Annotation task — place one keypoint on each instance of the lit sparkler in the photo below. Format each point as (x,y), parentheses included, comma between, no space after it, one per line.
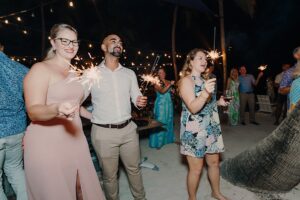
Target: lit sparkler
(214,54)
(150,79)
(262,67)
(87,76)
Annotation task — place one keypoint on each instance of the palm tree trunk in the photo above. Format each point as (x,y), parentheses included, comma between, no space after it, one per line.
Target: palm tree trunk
(223,47)
(173,41)
(273,164)
(43,29)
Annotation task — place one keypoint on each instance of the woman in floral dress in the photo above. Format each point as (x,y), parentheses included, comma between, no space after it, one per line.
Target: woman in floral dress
(200,131)
(234,106)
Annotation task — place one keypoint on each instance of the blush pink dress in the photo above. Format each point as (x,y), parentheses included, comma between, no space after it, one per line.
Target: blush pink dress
(55,151)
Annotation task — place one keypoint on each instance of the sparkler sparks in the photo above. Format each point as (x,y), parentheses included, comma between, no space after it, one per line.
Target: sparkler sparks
(150,79)
(214,54)
(262,67)
(87,76)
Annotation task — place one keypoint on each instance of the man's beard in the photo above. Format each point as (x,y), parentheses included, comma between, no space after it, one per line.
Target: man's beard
(115,52)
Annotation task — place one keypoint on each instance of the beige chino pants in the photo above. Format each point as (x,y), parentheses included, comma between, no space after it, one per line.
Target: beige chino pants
(111,144)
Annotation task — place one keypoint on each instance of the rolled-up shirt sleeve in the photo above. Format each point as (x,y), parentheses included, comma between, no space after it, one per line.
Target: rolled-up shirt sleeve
(134,90)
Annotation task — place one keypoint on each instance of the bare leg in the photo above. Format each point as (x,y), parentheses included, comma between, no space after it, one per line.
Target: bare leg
(193,177)
(78,189)
(212,161)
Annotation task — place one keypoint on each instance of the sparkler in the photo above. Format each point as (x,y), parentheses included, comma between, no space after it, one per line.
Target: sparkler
(87,76)
(262,67)
(149,78)
(213,55)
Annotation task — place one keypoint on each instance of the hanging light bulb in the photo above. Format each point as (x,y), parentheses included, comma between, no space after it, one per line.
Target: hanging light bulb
(90,46)
(139,52)
(19,19)
(25,32)
(51,10)
(6,21)
(32,15)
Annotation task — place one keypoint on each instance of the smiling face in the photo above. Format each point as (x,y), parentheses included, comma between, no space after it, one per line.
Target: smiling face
(243,70)
(199,63)
(65,44)
(113,45)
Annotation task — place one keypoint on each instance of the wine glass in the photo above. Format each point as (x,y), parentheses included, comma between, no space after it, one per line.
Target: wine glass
(228,95)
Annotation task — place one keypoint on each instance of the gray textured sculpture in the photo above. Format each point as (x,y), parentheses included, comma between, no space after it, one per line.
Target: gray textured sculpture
(273,164)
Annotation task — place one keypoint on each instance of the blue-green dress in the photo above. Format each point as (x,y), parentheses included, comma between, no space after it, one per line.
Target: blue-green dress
(200,133)
(164,113)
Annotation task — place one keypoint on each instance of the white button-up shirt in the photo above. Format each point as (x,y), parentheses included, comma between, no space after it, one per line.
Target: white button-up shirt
(112,98)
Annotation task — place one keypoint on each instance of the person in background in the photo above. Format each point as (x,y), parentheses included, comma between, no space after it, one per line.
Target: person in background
(295,88)
(200,131)
(58,163)
(114,134)
(287,77)
(163,112)
(234,106)
(246,88)
(270,89)
(13,123)
(281,101)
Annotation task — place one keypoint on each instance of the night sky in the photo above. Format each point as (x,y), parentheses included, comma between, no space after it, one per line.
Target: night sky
(267,37)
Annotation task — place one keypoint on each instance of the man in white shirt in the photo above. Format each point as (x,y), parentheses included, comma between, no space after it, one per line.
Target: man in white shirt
(113,134)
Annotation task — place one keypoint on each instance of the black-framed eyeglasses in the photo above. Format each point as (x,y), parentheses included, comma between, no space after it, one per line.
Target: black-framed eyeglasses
(66,42)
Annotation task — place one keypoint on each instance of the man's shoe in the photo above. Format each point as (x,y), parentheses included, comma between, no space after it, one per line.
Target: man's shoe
(254,122)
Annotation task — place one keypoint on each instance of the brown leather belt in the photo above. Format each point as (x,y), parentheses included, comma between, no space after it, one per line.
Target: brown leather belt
(118,126)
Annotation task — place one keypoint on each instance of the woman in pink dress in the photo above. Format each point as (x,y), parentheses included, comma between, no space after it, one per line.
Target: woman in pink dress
(58,165)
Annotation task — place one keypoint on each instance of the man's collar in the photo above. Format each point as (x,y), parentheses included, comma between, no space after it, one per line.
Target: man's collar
(102,65)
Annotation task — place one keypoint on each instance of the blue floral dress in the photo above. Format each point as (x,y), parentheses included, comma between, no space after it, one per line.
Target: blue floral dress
(200,133)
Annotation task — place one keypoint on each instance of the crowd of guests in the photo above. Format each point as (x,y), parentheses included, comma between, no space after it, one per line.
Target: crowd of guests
(57,160)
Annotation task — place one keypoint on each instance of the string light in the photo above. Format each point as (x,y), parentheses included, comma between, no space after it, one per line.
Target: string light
(90,46)
(19,19)
(51,10)
(139,52)
(32,15)
(6,21)
(49,38)
(25,32)
(124,50)
(152,54)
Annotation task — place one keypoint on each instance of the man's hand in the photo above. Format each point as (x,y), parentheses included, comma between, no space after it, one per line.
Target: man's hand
(141,101)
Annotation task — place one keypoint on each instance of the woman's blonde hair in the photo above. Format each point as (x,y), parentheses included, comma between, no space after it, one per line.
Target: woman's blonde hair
(56,28)
(187,68)
(231,74)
